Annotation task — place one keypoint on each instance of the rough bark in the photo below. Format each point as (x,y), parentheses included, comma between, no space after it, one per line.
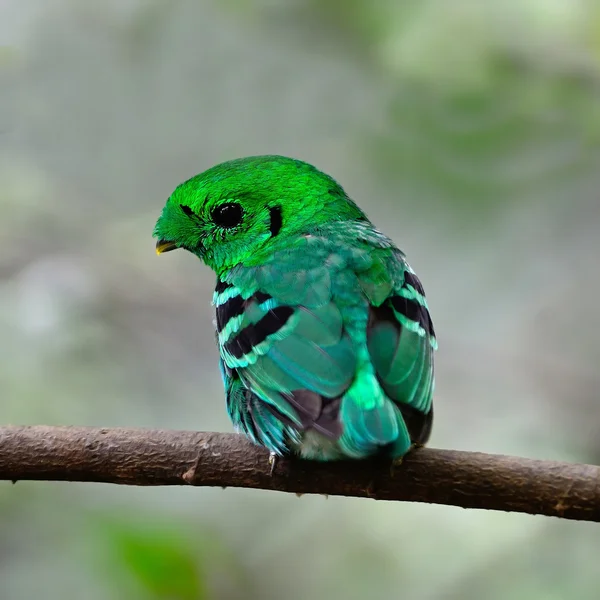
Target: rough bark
(155,457)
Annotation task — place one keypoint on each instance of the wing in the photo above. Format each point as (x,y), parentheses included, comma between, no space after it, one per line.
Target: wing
(293,363)
(401,341)
(250,414)
(281,334)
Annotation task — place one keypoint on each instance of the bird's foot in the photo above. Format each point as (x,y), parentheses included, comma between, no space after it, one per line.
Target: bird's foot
(396,462)
(272,463)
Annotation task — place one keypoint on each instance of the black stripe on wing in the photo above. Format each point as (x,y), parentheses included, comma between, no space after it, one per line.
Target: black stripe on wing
(254,334)
(235,306)
(413,280)
(222,286)
(412,309)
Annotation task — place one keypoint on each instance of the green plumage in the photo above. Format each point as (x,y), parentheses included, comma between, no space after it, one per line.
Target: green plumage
(323,329)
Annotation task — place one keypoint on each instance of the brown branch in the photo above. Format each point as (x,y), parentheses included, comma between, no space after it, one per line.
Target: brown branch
(149,457)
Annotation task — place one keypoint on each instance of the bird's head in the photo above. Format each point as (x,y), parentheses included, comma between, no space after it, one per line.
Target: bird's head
(237,211)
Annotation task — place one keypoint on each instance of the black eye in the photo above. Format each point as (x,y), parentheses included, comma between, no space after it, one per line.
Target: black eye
(186,210)
(227,215)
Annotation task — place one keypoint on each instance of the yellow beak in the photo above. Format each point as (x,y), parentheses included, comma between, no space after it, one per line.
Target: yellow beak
(165,246)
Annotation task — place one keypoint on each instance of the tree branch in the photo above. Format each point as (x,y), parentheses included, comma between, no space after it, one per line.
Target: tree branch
(151,457)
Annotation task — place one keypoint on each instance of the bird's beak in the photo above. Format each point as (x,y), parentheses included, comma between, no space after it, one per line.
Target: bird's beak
(165,246)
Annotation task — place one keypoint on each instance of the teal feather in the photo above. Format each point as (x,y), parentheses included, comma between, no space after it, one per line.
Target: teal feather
(333,336)
(251,416)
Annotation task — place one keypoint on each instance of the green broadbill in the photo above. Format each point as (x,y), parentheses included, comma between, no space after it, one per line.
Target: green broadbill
(325,338)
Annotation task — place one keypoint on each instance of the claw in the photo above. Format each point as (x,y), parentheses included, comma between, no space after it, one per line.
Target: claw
(396,462)
(272,463)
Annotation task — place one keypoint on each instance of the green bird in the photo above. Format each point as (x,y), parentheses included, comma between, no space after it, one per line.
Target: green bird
(325,339)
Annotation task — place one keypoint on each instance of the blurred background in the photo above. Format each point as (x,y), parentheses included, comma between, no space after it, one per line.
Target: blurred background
(468,130)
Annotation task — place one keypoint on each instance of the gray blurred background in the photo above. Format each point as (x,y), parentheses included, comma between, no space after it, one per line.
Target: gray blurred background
(469,131)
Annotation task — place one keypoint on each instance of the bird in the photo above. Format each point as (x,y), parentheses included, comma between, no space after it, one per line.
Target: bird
(325,338)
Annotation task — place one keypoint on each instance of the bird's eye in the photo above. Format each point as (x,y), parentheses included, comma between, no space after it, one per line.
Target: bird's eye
(227,215)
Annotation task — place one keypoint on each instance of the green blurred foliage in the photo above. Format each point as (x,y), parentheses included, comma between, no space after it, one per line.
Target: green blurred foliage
(144,557)
(162,563)
(468,130)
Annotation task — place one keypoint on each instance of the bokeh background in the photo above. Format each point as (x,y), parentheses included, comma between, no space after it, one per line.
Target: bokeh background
(468,130)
